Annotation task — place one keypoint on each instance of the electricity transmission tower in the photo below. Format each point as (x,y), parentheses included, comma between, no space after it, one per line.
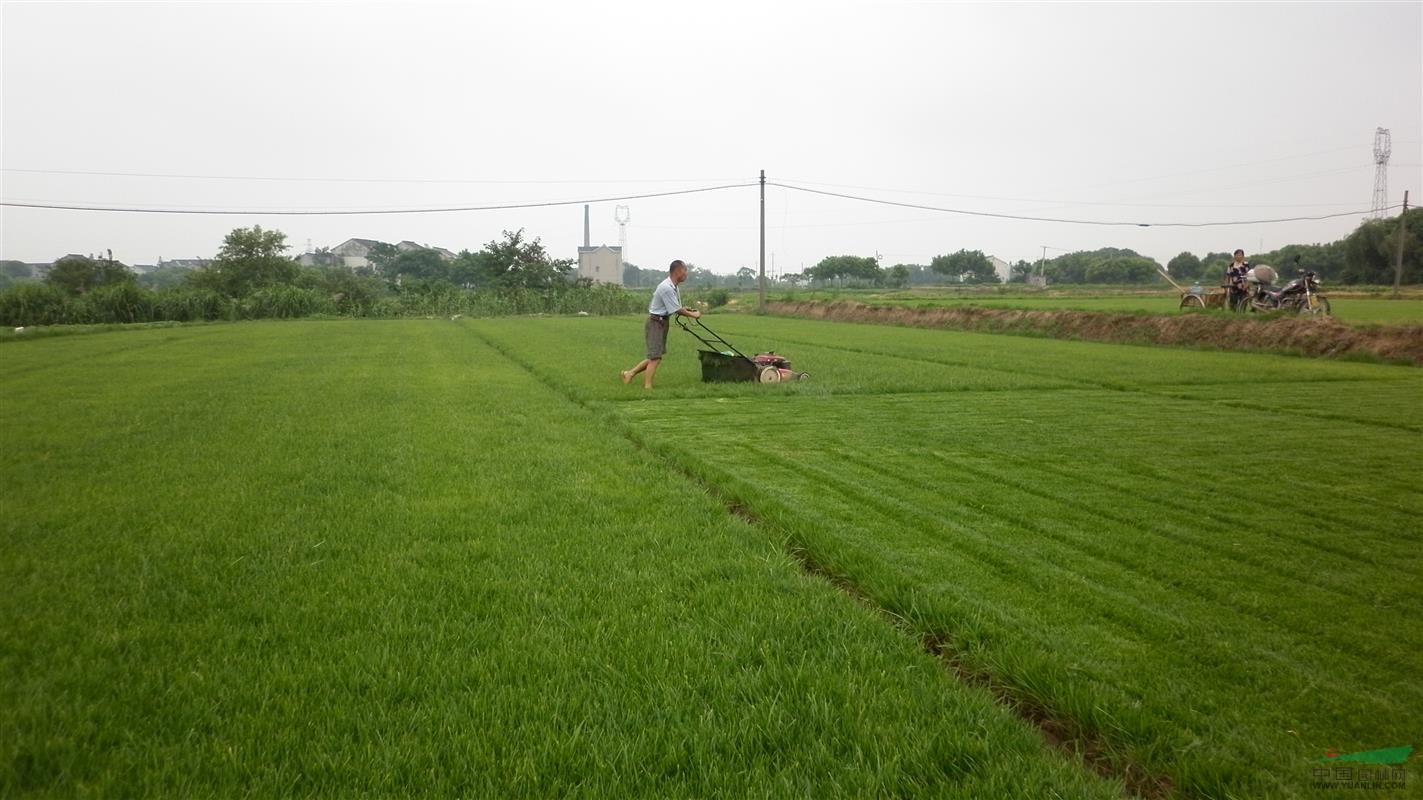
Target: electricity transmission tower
(1383,148)
(623,215)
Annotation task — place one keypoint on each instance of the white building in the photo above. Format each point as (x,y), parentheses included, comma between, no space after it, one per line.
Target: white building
(1001,268)
(354,253)
(601,264)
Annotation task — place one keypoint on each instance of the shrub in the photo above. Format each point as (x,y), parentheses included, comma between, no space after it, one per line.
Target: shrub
(34,303)
(283,302)
(117,303)
(191,305)
(709,298)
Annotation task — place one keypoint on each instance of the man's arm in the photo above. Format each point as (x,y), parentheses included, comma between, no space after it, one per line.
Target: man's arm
(689,312)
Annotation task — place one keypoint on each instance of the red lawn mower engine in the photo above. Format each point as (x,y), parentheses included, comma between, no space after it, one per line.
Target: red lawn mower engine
(773,368)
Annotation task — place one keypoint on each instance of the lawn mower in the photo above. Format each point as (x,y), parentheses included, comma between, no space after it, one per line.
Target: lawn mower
(721,361)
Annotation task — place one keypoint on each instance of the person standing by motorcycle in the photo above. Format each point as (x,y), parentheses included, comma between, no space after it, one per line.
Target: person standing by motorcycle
(1235,280)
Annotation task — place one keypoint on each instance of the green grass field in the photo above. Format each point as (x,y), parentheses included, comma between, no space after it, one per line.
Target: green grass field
(357,558)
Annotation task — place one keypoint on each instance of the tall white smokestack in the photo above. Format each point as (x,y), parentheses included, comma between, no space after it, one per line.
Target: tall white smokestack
(586,242)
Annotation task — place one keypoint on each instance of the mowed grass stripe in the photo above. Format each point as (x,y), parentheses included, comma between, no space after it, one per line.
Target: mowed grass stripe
(1383,382)
(584,355)
(1218,516)
(1385,403)
(351,558)
(1108,365)
(1245,665)
(1239,596)
(1223,538)
(61,351)
(1171,711)
(1117,586)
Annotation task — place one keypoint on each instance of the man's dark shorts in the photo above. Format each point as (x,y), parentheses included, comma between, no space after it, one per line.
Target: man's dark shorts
(656,332)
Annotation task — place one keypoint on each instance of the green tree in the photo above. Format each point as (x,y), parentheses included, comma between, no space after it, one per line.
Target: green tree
(515,261)
(348,292)
(1123,269)
(381,254)
(1075,267)
(164,277)
(745,274)
(250,259)
(971,265)
(1369,252)
(1185,266)
(426,265)
(467,270)
(698,278)
(861,269)
(633,275)
(897,276)
(1213,266)
(18,270)
(81,274)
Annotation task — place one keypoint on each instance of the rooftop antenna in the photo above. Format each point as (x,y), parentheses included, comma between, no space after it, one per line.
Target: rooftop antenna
(623,215)
(1383,148)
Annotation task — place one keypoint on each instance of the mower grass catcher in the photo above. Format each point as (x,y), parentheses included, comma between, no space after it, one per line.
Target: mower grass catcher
(721,361)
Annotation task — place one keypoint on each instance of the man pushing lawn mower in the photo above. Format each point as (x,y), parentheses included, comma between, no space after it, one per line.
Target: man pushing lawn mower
(666,303)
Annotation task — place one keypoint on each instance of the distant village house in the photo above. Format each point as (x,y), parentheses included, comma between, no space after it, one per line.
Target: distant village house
(356,253)
(601,264)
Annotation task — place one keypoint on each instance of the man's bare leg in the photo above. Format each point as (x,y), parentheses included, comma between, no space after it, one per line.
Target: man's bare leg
(629,374)
(651,371)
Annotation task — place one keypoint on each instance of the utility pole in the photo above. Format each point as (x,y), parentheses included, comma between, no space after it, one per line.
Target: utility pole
(761,301)
(1398,254)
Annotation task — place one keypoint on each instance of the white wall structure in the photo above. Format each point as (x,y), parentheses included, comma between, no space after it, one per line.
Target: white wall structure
(601,264)
(353,252)
(1001,268)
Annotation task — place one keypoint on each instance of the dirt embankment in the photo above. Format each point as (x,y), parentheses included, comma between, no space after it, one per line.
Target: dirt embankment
(1323,337)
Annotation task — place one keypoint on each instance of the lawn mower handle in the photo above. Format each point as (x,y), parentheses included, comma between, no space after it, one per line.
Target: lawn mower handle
(713,340)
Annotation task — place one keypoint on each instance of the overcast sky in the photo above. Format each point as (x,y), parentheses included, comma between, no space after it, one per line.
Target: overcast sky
(1116,112)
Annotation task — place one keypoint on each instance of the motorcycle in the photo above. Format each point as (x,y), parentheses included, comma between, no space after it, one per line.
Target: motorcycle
(1299,296)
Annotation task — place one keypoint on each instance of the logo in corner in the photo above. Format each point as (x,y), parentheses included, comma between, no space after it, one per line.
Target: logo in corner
(1378,769)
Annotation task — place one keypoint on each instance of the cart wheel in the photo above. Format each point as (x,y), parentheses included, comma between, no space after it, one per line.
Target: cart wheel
(770,375)
(804,376)
(1192,301)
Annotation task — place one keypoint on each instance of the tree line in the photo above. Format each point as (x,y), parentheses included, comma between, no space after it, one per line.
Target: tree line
(252,277)
(1365,256)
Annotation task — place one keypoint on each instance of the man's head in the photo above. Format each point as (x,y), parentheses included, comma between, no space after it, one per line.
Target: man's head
(1239,256)
(677,271)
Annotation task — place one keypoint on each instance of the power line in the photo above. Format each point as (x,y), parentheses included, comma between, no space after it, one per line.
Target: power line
(1025,218)
(314,179)
(649,195)
(357,212)
(1117,204)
